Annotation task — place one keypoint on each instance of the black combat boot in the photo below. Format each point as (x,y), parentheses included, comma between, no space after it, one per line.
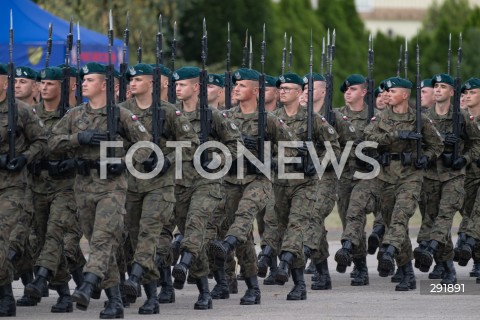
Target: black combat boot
(36,288)
(476,268)
(425,257)
(176,246)
(232,285)
(7,301)
(64,302)
(204,301)
(299,291)
(375,238)
(114,308)
(408,282)
(132,283)
(362,275)
(343,256)
(252,295)
(180,270)
(77,276)
(220,290)
(311,268)
(264,261)
(220,250)
(462,237)
(398,276)
(82,295)
(422,245)
(27,301)
(151,305)
(270,279)
(386,264)
(126,304)
(283,271)
(438,270)
(465,252)
(450,275)
(322,281)
(167,293)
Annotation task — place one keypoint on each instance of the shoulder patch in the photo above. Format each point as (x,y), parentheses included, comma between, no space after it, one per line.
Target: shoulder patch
(178,113)
(233,126)
(281,121)
(323,119)
(345,118)
(224,115)
(134,117)
(34,110)
(351,128)
(141,128)
(330,130)
(40,123)
(472,118)
(373,119)
(186,127)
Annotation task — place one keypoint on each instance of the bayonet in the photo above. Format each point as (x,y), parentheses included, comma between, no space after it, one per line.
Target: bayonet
(449,58)
(139,50)
(79,57)
(228,73)
(290,55)
(112,109)
(250,55)
(65,88)
(245,50)
(122,93)
(322,61)
(284,52)
(171,84)
(370,97)
(205,112)
(405,63)
(49,45)
(399,63)
(158,113)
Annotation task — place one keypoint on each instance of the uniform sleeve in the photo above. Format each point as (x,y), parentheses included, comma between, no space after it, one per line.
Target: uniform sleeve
(345,129)
(279,131)
(373,133)
(183,131)
(471,150)
(36,135)
(61,138)
(135,132)
(325,132)
(432,141)
(228,133)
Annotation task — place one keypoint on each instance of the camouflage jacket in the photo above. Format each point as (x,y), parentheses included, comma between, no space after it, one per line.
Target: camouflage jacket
(64,138)
(176,127)
(473,169)
(30,140)
(380,129)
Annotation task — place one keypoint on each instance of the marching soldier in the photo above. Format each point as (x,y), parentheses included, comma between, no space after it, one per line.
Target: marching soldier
(26,85)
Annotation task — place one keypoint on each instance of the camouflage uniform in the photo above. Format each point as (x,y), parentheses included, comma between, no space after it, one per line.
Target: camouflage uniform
(101,202)
(150,202)
(30,141)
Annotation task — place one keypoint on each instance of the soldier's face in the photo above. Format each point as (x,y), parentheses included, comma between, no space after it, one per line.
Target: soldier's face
(442,92)
(141,85)
(427,97)
(3,84)
(396,96)
(93,85)
(379,102)
(50,89)
(472,98)
(186,89)
(289,92)
(213,93)
(271,94)
(245,90)
(354,94)
(24,88)
(319,90)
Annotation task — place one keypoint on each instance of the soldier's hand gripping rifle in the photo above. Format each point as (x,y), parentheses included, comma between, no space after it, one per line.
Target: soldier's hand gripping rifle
(12,106)
(49,45)
(457,123)
(329,114)
(79,56)
(122,93)
(65,90)
(370,97)
(418,102)
(205,112)
(158,120)
(113,112)
(172,96)
(262,114)
(228,73)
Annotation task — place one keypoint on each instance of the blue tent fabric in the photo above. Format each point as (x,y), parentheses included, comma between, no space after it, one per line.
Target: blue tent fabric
(30,23)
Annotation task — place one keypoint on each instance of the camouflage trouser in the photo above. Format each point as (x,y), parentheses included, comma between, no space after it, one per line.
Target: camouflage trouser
(11,207)
(164,248)
(315,233)
(58,212)
(243,202)
(271,236)
(146,214)
(294,206)
(71,246)
(101,217)
(193,211)
(472,210)
(344,190)
(443,200)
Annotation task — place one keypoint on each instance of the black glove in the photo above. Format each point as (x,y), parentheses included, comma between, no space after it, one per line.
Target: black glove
(116,168)
(408,135)
(91,137)
(422,162)
(459,163)
(150,163)
(17,163)
(67,165)
(249,142)
(450,139)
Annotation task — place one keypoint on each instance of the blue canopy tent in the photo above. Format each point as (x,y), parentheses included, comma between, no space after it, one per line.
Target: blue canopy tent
(30,24)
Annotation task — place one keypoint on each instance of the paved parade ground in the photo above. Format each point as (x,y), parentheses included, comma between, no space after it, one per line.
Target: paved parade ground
(376,301)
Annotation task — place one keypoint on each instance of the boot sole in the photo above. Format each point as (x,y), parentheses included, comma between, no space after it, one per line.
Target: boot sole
(343,261)
(180,277)
(425,261)
(281,278)
(82,301)
(67,310)
(302,297)
(411,287)
(373,243)
(156,310)
(385,266)
(360,283)
(463,257)
(248,303)
(202,307)
(117,316)
(218,251)
(262,270)
(130,290)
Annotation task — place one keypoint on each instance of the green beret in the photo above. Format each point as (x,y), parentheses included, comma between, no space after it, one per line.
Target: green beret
(245,74)
(93,68)
(270,81)
(396,82)
(164,71)
(426,83)
(186,73)
(3,69)
(352,80)
(116,74)
(442,78)
(377,91)
(25,72)
(140,69)
(315,76)
(216,79)
(51,73)
(289,78)
(73,71)
(472,83)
